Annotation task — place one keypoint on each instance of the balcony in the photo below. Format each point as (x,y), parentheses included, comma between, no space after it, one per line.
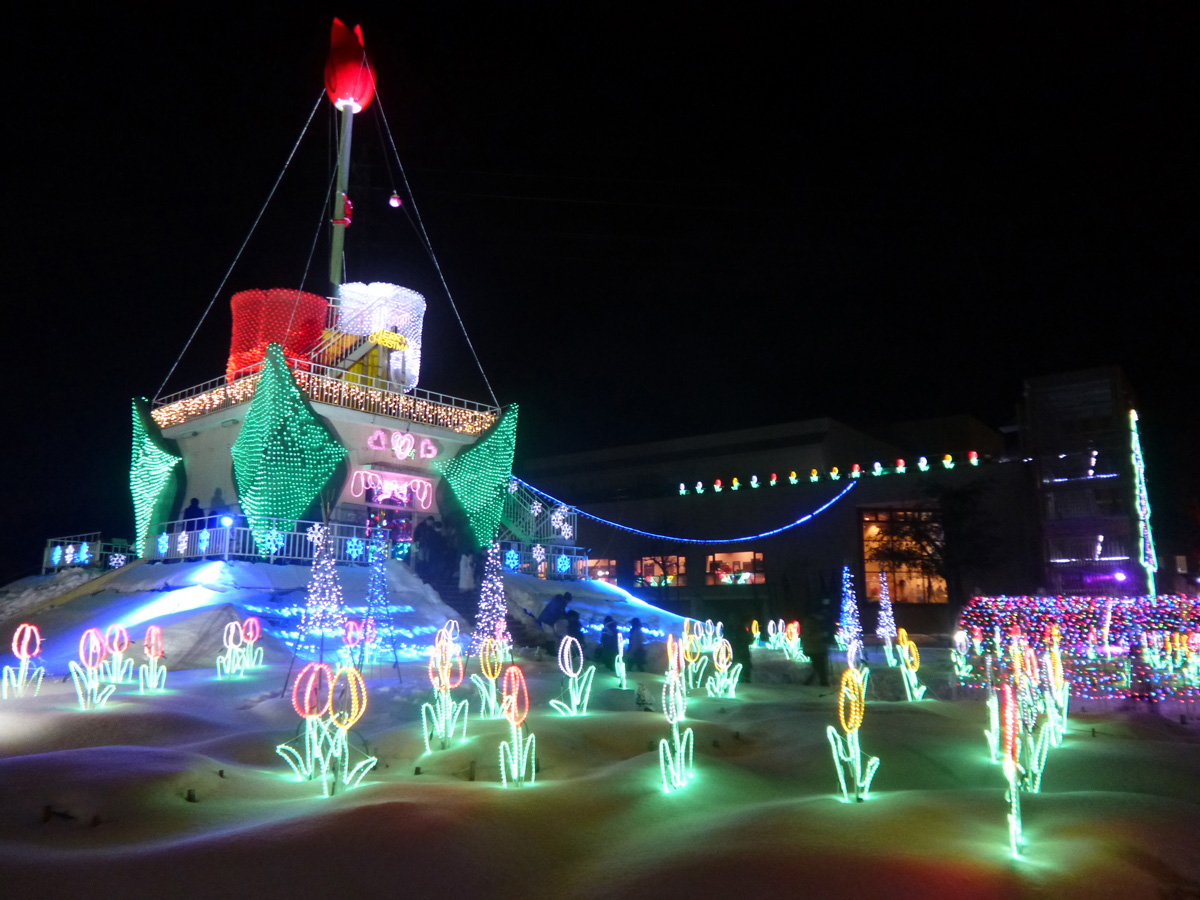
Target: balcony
(336,387)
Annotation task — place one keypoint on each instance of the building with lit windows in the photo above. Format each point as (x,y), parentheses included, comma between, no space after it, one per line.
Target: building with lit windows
(760,522)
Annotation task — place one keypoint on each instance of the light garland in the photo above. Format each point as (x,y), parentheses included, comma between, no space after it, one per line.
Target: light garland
(86,672)
(26,645)
(152,674)
(284,454)
(441,717)
(847,754)
(578,682)
(518,756)
(684,540)
(675,758)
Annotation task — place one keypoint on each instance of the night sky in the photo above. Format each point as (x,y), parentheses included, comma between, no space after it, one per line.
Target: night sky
(656,219)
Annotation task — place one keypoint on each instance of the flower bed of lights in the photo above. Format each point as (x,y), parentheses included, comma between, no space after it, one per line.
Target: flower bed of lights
(26,645)
(723,681)
(1106,644)
(86,673)
(578,682)
(152,674)
(853,776)
(490,652)
(517,757)
(241,652)
(675,756)
(323,750)
(440,718)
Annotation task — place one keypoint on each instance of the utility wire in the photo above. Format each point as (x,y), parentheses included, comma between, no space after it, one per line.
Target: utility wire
(429,247)
(238,256)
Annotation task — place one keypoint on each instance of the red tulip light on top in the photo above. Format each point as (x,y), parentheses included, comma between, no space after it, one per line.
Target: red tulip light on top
(349,79)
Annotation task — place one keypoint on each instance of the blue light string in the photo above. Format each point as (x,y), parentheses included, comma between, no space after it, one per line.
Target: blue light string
(682,540)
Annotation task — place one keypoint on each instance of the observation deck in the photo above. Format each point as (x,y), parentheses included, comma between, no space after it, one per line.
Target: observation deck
(333,386)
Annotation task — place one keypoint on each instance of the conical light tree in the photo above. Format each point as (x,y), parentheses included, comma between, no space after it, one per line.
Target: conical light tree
(377,603)
(886,626)
(324,620)
(491,621)
(849,627)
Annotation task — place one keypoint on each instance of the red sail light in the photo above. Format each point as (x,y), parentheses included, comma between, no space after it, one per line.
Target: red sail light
(349,79)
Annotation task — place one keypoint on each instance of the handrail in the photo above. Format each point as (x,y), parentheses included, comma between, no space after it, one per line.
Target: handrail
(337,387)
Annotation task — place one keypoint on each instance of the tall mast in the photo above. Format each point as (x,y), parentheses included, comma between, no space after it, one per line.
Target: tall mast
(350,84)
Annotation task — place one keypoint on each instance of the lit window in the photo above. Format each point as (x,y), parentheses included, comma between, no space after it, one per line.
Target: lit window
(904,546)
(741,567)
(603,570)
(660,571)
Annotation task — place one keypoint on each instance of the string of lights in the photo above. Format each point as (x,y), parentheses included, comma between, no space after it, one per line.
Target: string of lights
(685,540)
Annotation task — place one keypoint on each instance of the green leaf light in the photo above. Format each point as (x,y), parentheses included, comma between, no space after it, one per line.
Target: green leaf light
(479,476)
(151,471)
(284,454)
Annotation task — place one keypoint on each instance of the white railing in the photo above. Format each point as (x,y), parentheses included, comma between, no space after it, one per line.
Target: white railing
(529,518)
(208,538)
(337,387)
(558,563)
(78,551)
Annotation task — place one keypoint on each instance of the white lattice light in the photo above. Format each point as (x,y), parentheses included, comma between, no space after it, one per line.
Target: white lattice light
(367,308)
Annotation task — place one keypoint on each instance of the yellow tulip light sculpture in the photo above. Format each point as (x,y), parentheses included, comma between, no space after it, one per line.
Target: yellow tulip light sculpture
(853,776)
(490,652)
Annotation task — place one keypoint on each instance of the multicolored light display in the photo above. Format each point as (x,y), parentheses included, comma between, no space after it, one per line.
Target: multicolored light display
(1101,641)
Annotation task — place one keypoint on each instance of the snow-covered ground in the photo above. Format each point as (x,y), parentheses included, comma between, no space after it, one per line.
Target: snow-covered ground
(94,803)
